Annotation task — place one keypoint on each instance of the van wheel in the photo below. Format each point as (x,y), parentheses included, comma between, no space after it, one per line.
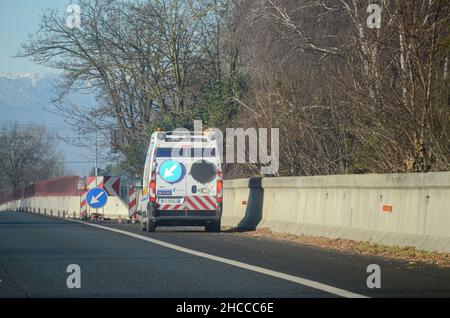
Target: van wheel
(151,226)
(213,227)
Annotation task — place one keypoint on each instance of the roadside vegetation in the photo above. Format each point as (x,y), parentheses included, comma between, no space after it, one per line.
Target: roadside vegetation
(27,154)
(346,98)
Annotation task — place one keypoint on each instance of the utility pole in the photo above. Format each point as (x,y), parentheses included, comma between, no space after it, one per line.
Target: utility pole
(96,152)
(96,156)
(96,148)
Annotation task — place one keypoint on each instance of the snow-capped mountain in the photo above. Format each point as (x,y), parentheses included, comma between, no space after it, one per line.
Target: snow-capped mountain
(23,96)
(27,97)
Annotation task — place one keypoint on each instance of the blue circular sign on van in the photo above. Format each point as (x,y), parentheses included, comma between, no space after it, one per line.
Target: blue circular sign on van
(96,198)
(171,171)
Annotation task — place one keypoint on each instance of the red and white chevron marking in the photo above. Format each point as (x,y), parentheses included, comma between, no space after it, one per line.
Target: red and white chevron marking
(110,184)
(132,205)
(171,207)
(201,203)
(83,204)
(197,203)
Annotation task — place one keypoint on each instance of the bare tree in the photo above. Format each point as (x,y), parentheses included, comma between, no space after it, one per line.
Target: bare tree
(348,98)
(27,154)
(143,60)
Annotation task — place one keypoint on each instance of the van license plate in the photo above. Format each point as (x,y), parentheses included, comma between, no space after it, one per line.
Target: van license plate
(171,200)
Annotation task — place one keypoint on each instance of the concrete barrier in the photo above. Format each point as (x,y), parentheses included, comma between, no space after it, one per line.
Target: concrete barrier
(395,209)
(243,203)
(65,206)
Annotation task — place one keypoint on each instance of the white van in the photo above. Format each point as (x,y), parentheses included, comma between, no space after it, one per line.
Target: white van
(182,183)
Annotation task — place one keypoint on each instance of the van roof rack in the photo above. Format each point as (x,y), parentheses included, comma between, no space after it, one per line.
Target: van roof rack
(184,135)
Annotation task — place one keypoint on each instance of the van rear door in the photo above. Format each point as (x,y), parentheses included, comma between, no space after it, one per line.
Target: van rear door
(202,180)
(186,178)
(171,181)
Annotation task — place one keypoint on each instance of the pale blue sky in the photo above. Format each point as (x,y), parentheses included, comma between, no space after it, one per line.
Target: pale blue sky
(18,18)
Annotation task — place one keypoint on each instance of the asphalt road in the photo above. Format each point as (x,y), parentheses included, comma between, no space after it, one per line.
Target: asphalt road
(35,251)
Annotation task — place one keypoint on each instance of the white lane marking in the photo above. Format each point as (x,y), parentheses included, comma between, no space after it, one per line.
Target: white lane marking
(295,279)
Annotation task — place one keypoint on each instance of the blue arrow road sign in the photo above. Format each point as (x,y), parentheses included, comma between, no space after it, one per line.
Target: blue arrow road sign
(96,198)
(171,171)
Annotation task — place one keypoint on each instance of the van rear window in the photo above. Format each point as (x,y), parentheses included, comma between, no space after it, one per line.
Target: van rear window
(185,152)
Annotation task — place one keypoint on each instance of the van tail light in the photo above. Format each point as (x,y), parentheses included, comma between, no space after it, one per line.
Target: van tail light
(152,191)
(219,190)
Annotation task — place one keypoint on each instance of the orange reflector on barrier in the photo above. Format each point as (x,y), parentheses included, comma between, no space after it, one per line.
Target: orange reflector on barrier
(387,208)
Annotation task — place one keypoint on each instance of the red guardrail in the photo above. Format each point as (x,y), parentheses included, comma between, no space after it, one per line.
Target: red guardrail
(65,186)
